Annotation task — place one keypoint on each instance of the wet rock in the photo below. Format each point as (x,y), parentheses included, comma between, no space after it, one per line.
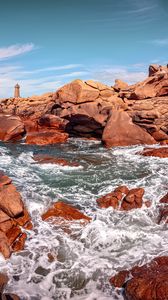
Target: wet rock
(164,199)
(148,282)
(122,198)
(10,297)
(157,152)
(65,211)
(11,128)
(121,131)
(45,159)
(13,216)
(3,281)
(163,209)
(46,137)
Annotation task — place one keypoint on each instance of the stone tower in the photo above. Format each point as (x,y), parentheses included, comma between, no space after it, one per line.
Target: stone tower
(17,91)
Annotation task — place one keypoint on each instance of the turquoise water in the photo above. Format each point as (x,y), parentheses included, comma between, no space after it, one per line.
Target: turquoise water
(89,256)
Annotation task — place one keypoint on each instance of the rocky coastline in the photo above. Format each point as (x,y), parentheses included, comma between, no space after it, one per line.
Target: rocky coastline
(118,116)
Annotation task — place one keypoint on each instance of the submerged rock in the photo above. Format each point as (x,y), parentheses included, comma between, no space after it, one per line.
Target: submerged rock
(46,137)
(122,198)
(148,282)
(158,152)
(46,159)
(65,211)
(13,216)
(121,131)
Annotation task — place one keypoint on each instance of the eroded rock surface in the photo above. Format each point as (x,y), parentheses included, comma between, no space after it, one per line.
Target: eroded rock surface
(148,282)
(157,152)
(13,216)
(122,198)
(65,211)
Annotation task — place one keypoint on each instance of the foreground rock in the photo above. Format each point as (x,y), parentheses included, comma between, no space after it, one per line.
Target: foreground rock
(66,212)
(149,282)
(13,216)
(163,209)
(3,283)
(121,131)
(157,152)
(11,128)
(46,159)
(48,129)
(122,198)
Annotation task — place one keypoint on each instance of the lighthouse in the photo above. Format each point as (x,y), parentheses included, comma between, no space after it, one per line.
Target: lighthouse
(17,91)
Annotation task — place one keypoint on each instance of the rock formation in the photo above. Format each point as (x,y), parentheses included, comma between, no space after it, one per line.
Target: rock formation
(122,198)
(120,115)
(148,282)
(13,216)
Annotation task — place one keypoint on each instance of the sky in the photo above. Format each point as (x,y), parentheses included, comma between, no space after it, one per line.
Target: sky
(46,43)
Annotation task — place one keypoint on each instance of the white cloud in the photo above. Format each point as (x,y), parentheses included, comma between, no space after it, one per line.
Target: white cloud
(108,75)
(15,50)
(160,42)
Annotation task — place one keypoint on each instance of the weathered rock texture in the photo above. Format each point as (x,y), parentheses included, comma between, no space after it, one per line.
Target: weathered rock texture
(157,152)
(89,109)
(122,198)
(149,282)
(64,211)
(13,216)
(47,159)
(11,128)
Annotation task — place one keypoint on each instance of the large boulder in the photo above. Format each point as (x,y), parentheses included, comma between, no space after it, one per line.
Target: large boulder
(121,131)
(86,105)
(11,128)
(13,216)
(48,129)
(148,282)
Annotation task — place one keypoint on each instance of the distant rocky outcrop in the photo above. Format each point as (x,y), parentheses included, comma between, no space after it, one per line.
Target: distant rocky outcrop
(121,115)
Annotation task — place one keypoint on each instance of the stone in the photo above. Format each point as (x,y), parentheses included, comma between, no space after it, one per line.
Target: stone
(120,85)
(11,128)
(76,92)
(13,216)
(46,137)
(161,152)
(10,200)
(52,121)
(148,282)
(65,211)
(122,199)
(47,159)
(120,131)
(3,281)
(159,135)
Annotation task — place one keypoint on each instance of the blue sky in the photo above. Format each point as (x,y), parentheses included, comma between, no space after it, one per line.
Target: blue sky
(45,44)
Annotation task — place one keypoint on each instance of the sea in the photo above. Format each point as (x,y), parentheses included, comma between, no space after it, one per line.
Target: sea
(84,258)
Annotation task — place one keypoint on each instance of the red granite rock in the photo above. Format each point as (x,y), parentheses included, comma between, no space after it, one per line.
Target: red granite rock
(149,282)
(65,211)
(161,152)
